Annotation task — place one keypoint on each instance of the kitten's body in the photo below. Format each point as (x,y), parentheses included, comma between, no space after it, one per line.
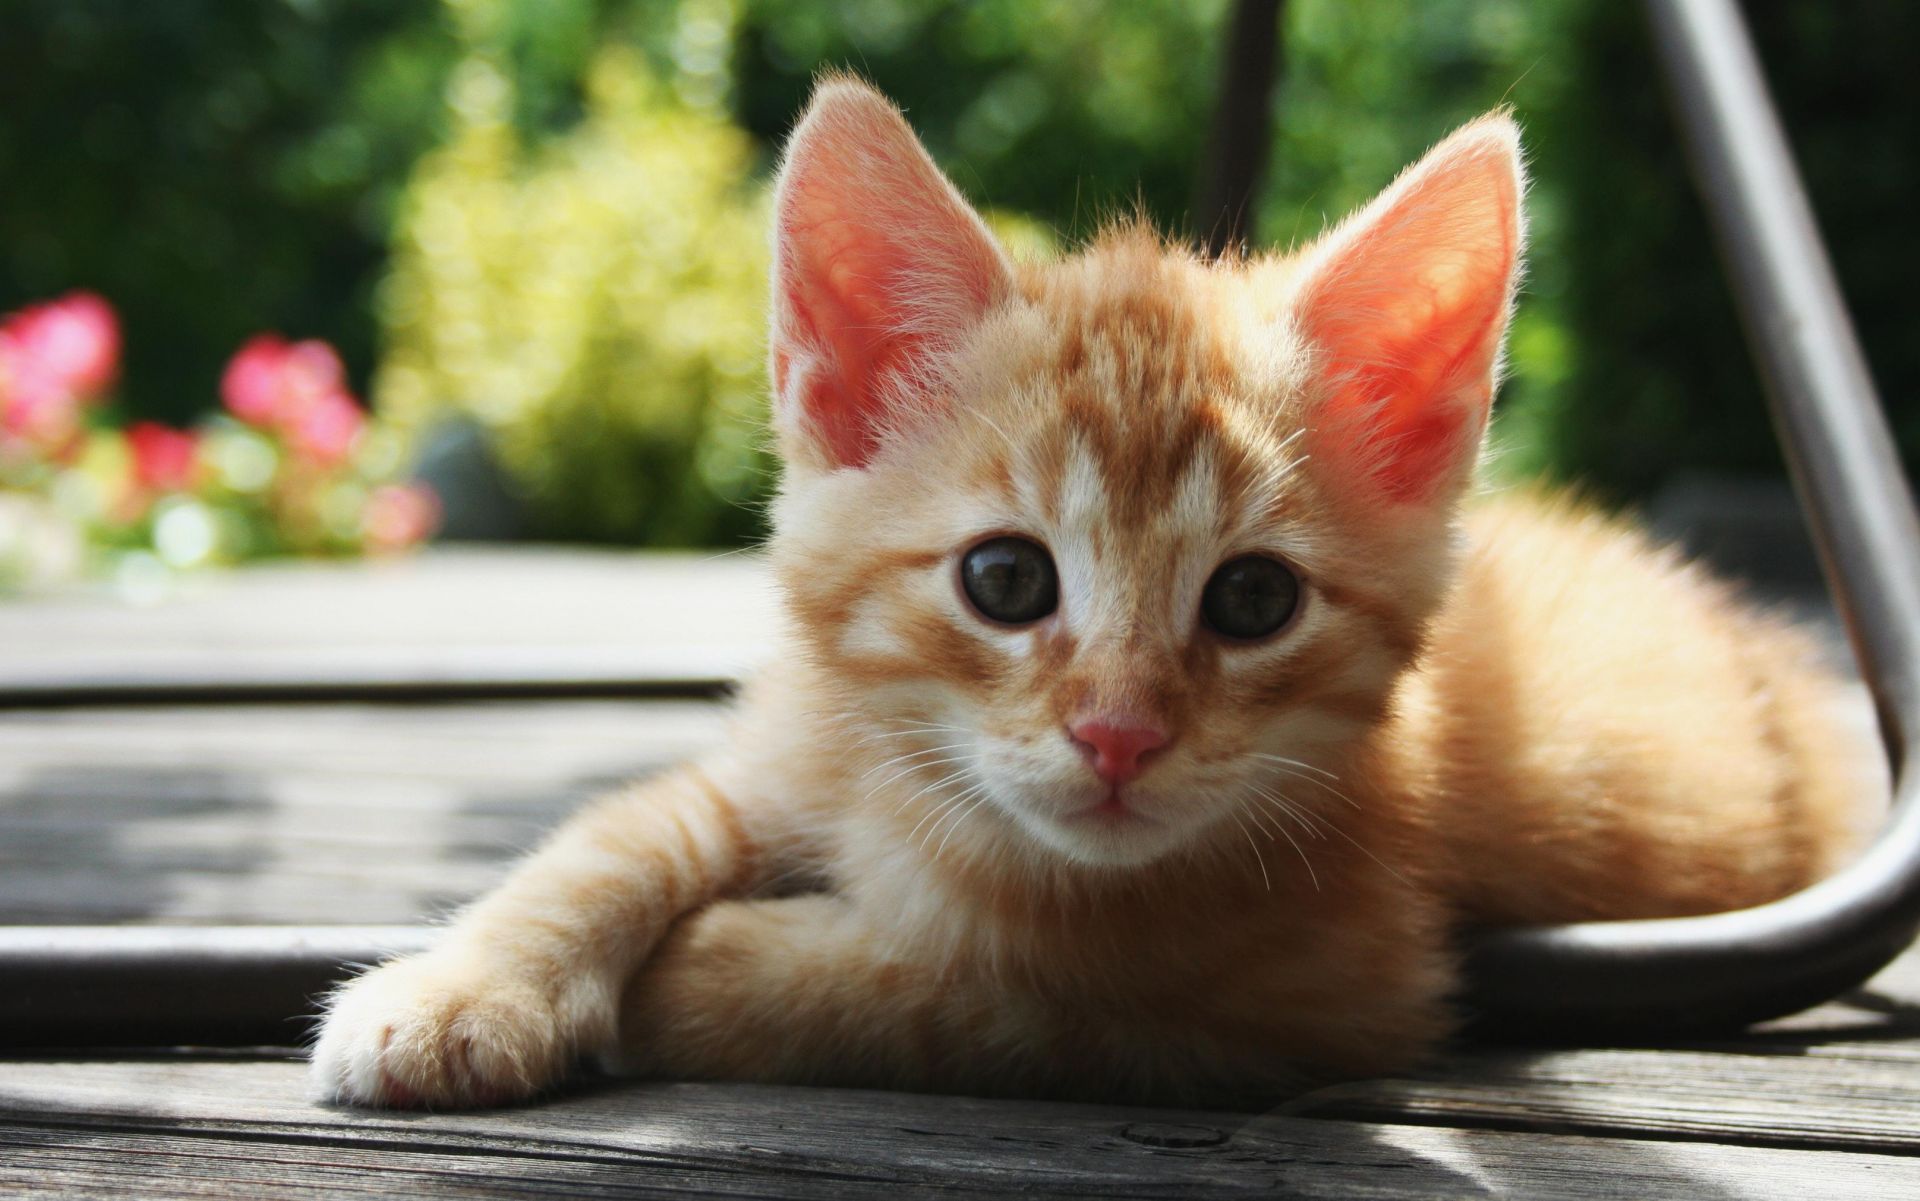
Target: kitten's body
(1526,715)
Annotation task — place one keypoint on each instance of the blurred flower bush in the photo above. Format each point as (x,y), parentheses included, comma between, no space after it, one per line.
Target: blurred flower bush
(292,467)
(594,301)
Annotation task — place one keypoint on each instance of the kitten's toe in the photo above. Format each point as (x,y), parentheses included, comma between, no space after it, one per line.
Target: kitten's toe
(424,1034)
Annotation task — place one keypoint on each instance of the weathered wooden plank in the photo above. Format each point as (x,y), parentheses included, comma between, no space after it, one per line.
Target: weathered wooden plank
(1845,1075)
(322,814)
(464,621)
(199,1128)
(1812,1099)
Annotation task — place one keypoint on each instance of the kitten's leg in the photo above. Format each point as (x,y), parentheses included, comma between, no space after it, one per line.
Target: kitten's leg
(812,990)
(528,978)
(798,990)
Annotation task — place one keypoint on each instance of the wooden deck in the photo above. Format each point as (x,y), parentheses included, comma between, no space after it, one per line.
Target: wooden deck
(371,744)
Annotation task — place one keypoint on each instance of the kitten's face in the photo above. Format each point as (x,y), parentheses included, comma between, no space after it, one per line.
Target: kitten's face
(1093,551)
(1110,600)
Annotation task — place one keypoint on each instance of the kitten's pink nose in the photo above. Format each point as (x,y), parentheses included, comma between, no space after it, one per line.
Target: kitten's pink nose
(1117,748)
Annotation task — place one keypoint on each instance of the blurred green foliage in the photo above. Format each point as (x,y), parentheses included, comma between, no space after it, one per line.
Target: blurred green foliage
(595,302)
(1658,375)
(218,168)
(1367,88)
(1070,112)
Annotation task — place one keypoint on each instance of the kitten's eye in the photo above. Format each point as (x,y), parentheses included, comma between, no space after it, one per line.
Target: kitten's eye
(1250,597)
(1010,580)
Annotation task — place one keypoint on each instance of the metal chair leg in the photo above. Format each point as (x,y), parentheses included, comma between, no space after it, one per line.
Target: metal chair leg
(1666,977)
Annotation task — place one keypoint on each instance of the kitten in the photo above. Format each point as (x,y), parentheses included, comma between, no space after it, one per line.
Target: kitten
(1152,711)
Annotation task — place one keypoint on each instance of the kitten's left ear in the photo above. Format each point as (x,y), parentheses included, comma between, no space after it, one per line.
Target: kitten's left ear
(879,267)
(1405,308)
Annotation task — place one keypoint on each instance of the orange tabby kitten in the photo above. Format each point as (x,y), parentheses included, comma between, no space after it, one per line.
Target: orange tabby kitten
(1151,712)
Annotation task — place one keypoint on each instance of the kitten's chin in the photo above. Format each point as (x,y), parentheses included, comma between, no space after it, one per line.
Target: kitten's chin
(1098,839)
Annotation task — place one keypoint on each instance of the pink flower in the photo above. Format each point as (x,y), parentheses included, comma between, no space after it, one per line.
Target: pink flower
(72,343)
(269,382)
(326,428)
(55,358)
(399,515)
(164,459)
(299,391)
(250,385)
(44,419)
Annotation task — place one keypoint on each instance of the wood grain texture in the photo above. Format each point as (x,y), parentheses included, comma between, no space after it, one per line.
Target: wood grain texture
(1844,1075)
(302,814)
(1814,1099)
(208,1127)
(500,619)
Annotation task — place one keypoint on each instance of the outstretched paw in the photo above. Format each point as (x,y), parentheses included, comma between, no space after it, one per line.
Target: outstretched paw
(434,1032)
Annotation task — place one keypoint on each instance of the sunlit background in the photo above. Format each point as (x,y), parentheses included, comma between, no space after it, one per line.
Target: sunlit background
(534,232)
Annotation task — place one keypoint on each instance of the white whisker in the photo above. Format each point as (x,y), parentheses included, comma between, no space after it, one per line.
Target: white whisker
(1302,852)
(879,735)
(945,806)
(1260,821)
(889,762)
(1299,763)
(1307,820)
(1384,866)
(958,822)
(942,782)
(1322,821)
(909,770)
(942,807)
(1264,877)
(1299,770)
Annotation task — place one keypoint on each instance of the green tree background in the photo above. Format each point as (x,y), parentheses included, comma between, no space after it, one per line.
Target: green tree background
(216,169)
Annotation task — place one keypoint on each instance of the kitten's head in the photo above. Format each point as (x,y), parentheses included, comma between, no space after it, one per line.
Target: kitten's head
(1114,555)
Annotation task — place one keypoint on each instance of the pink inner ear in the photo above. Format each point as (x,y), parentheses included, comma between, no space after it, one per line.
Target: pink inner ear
(849,293)
(1409,311)
(880,266)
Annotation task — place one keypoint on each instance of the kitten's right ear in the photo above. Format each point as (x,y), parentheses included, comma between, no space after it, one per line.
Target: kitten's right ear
(879,267)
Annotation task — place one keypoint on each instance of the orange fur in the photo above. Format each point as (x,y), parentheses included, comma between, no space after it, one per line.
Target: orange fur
(1513,712)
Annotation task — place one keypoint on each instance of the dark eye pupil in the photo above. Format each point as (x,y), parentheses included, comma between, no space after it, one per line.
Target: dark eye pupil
(1010,580)
(1250,597)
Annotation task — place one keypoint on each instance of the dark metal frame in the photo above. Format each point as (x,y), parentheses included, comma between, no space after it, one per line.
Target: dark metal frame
(1237,149)
(1666,977)
(238,985)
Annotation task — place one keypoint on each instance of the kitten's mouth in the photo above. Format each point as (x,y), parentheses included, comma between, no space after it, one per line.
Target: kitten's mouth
(1112,810)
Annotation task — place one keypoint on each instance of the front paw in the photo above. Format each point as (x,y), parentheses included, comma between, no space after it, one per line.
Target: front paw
(439,1032)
